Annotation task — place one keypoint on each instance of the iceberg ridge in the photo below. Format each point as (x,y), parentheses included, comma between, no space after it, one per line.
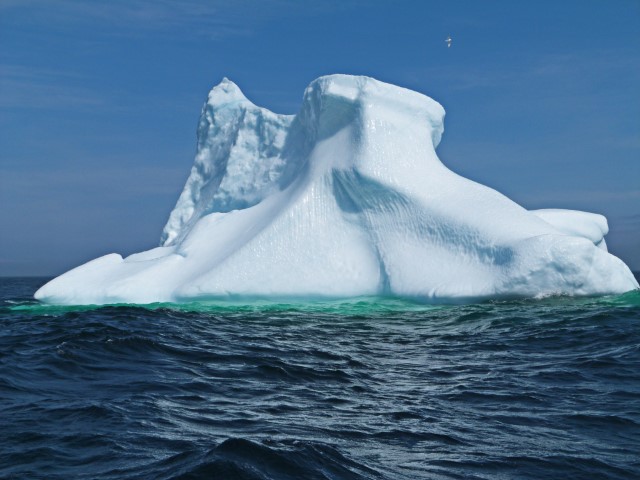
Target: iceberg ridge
(346,198)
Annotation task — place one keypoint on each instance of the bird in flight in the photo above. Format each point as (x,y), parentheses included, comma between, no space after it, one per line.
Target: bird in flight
(448,41)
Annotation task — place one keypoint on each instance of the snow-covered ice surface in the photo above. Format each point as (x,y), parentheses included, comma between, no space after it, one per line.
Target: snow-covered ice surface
(346,198)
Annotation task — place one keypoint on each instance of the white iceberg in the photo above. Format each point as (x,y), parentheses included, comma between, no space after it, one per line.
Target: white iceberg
(346,198)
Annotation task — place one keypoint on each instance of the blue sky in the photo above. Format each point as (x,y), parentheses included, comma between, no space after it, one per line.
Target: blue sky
(99,103)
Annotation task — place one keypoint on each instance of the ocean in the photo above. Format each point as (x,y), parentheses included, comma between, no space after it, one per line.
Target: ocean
(370,388)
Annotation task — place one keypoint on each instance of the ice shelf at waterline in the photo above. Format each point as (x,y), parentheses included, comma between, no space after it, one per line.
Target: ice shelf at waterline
(346,198)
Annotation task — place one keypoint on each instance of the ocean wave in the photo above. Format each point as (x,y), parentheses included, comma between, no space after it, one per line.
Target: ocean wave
(528,389)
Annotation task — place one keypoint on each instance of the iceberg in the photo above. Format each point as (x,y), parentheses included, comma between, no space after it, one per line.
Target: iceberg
(346,198)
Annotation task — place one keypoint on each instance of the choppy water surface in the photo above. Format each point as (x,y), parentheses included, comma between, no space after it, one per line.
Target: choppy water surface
(370,388)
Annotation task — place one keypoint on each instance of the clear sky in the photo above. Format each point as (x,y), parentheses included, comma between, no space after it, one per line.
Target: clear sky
(99,102)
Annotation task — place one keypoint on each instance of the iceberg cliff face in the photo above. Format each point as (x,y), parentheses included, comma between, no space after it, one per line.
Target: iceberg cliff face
(239,157)
(346,198)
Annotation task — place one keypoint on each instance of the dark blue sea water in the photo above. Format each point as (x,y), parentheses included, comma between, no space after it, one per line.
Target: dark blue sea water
(365,389)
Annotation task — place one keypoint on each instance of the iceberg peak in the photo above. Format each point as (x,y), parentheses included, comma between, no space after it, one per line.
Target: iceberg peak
(238,159)
(226,92)
(346,198)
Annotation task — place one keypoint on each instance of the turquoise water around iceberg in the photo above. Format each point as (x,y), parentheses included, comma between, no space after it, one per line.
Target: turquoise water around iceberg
(365,388)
